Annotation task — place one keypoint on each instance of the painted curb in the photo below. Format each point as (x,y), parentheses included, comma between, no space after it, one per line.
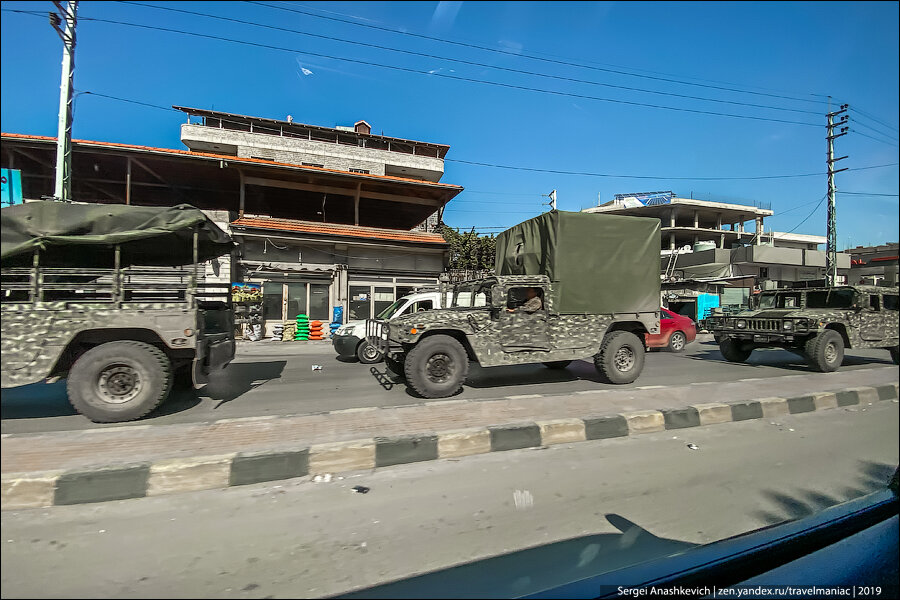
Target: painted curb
(170,476)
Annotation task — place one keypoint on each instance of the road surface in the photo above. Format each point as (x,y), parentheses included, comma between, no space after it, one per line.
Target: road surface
(273,378)
(639,497)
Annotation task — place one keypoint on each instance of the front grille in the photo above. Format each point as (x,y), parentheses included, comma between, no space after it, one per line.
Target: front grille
(377,334)
(764,324)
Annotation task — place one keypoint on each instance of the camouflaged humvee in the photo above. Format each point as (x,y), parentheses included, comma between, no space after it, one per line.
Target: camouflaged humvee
(99,294)
(817,323)
(598,279)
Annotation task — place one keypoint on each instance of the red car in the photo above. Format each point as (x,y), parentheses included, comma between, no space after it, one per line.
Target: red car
(675,332)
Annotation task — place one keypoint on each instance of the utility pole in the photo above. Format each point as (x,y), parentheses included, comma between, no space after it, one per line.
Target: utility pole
(831,248)
(552,203)
(68,10)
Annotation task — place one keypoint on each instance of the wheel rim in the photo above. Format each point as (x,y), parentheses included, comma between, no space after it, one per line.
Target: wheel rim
(677,341)
(440,368)
(624,359)
(370,352)
(830,352)
(118,384)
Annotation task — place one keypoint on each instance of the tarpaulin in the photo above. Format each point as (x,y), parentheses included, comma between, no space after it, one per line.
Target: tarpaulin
(84,235)
(597,263)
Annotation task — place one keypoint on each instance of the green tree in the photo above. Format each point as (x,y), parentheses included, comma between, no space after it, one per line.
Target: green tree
(469,251)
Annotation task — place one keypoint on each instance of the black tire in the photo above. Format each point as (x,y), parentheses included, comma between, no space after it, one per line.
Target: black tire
(558,364)
(621,358)
(119,381)
(677,341)
(183,377)
(367,353)
(825,351)
(436,367)
(732,351)
(895,354)
(395,367)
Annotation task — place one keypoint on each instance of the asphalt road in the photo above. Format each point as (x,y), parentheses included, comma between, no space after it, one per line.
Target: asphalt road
(637,497)
(272,378)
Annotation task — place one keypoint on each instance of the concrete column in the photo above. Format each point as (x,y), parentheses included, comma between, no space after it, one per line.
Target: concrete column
(672,217)
(741,224)
(721,240)
(672,241)
(719,221)
(696,219)
(759,230)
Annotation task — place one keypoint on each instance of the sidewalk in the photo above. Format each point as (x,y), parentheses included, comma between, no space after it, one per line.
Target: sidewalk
(145,442)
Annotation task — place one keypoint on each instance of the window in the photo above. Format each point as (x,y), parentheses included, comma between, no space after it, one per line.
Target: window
(365,171)
(360,302)
(874,302)
(664,315)
(422,306)
(272,301)
(520,295)
(764,272)
(312,165)
(890,301)
(830,299)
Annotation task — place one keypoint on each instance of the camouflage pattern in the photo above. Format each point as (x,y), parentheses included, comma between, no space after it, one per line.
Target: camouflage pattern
(498,337)
(765,327)
(36,335)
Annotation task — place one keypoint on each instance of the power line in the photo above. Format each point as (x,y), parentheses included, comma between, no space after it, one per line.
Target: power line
(870,194)
(553,171)
(469,62)
(531,56)
(857,132)
(876,119)
(447,76)
(889,136)
(806,218)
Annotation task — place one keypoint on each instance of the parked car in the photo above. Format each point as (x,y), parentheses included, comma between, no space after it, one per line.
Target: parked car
(350,339)
(675,332)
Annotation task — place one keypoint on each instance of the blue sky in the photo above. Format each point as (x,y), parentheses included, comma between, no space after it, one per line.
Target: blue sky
(785,56)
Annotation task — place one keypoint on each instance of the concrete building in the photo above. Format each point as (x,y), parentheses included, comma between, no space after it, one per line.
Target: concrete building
(874,265)
(704,241)
(315,236)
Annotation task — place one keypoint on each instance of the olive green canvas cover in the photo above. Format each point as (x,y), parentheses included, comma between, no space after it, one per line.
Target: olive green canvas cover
(597,263)
(84,235)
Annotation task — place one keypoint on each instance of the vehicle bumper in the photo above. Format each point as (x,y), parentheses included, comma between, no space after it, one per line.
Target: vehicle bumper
(345,345)
(760,337)
(217,354)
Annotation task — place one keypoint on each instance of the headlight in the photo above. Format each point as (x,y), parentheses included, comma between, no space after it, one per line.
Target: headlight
(741,324)
(787,325)
(800,324)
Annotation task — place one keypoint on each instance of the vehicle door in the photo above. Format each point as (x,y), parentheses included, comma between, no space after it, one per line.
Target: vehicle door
(873,320)
(520,330)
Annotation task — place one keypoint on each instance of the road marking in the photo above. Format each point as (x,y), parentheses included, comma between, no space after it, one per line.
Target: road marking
(523,396)
(649,387)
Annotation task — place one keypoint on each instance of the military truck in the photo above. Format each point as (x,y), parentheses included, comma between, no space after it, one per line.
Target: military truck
(598,280)
(111,297)
(816,322)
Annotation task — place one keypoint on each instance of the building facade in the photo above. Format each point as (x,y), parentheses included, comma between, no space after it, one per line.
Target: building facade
(323,217)
(874,265)
(716,242)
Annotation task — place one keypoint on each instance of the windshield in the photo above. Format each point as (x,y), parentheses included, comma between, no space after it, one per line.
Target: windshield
(390,310)
(767,301)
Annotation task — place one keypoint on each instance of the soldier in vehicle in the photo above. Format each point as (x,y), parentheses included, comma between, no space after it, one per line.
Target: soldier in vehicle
(532,302)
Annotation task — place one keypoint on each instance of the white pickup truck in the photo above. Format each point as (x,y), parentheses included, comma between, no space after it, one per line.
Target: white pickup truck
(350,339)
